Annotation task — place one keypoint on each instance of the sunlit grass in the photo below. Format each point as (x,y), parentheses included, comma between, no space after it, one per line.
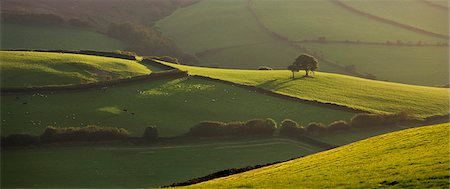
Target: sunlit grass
(358,93)
(19,69)
(413,158)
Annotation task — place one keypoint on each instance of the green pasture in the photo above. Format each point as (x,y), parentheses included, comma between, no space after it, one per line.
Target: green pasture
(403,64)
(299,20)
(20,69)
(358,93)
(406,12)
(15,36)
(413,158)
(172,105)
(137,167)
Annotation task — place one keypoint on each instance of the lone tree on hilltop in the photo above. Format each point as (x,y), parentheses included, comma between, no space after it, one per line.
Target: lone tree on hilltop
(293,69)
(306,62)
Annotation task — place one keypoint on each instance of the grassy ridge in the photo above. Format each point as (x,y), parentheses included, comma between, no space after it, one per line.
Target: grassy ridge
(51,37)
(173,105)
(20,69)
(431,18)
(413,158)
(358,93)
(137,167)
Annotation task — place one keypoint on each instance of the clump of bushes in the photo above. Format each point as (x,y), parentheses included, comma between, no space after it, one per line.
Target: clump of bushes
(366,120)
(89,133)
(150,134)
(339,126)
(265,68)
(254,127)
(290,128)
(316,129)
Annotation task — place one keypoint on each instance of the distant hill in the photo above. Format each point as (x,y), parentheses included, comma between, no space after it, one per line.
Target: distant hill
(413,158)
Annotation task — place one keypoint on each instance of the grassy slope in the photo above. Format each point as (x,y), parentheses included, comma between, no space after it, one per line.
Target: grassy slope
(370,95)
(414,158)
(324,18)
(430,18)
(47,37)
(413,65)
(172,105)
(37,68)
(136,167)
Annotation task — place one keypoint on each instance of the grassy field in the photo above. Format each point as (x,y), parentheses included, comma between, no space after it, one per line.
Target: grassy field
(136,167)
(430,18)
(412,64)
(47,37)
(364,94)
(19,69)
(414,158)
(314,19)
(234,39)
(173,105)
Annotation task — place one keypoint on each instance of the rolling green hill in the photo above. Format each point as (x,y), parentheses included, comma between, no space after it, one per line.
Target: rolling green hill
(314,19)
(226,34)
(358,93)
(19,69)
(413,158)
(15,36)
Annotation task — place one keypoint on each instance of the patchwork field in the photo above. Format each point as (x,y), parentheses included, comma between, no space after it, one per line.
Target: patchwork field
(431,18)
(358,93)
(19,69)
(315,19)
(416,158)
(16,36)
(137,167)
(237,38)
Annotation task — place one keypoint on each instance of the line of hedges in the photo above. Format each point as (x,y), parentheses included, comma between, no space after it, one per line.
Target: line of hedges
(96,85)
(254,127)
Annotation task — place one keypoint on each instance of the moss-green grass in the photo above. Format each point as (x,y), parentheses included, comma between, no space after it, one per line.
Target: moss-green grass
(15,36)
(19,69)
(412,65)
(300,20)
(413,158)
(430,18)
(358,93)
(137,167)
(172,105)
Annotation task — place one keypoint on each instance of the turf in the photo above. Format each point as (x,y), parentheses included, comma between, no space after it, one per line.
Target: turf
(299,20)
(430,18)
(358,93)
(412,64)
(172,105)
(15,36)
(19,69)
(136,167)
(413,158)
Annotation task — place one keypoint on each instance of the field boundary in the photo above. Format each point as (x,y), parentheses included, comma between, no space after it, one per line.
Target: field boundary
(388,21)
(435,5)
(103,85)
